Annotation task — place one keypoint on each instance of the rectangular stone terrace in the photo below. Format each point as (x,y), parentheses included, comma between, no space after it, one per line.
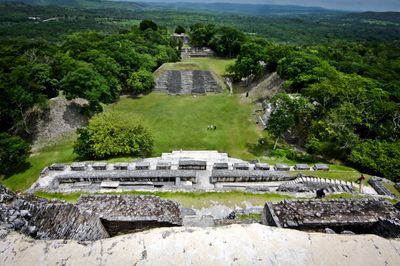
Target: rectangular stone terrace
(178,170)
(197,82)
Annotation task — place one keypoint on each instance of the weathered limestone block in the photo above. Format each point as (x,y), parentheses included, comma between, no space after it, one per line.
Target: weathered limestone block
(357,215)
(125,214)
(43,219)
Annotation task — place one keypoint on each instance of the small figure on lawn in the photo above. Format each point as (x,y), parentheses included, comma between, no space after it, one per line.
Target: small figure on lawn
(320,193)
(360,180)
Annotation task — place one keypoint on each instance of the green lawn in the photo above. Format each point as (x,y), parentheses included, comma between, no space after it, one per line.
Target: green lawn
(61,151)
(180,122)
(191,199)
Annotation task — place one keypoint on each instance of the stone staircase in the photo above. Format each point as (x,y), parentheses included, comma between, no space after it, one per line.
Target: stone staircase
(329,185)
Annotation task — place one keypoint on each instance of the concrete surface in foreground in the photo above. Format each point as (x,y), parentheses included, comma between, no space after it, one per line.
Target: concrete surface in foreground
(231,245)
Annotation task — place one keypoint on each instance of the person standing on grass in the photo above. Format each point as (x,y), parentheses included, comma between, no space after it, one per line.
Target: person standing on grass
(360,180)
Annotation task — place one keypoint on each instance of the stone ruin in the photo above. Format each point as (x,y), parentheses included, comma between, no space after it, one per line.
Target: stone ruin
(183,82)
(362,216)
(188,52)
(122,214)
(312,184)
(221,176)
(93,217)
(44,219)
(378,184)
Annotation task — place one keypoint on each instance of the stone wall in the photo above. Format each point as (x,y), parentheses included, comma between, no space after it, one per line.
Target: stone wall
(359,215)
(126,214)
(43,219)
(249,176)
(377,184)
(177,82)
(93,217)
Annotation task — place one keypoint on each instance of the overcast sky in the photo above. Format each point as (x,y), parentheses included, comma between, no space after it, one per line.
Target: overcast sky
(359,5)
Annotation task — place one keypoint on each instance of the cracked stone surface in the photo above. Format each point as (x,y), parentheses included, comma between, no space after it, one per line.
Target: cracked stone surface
(253,244)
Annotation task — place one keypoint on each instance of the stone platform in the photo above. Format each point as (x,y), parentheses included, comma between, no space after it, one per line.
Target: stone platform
(93,217)
(357,215)
(176,82)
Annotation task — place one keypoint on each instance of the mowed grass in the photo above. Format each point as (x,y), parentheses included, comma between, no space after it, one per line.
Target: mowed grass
(190,199)
(61,152)
(180,122)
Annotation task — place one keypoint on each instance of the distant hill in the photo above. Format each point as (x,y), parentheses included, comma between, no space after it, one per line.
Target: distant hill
(70,3)
(393,17)
(79,3)
(244,9)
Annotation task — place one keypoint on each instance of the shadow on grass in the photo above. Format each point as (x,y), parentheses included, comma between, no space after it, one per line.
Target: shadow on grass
(22,168)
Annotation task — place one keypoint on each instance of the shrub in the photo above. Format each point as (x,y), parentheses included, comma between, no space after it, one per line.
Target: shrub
(13,153)
(113,134)
(141,81)
(378,157)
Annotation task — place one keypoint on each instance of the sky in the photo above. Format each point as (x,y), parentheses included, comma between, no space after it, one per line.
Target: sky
(354,5)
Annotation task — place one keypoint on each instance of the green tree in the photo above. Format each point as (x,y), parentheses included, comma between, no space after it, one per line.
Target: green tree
(289,112)
(86,83)
(113,134)
(179,29)
(227,41)
(201,34)
(148,24)
(249,62)
(378,157)
(141,81)
(13,153)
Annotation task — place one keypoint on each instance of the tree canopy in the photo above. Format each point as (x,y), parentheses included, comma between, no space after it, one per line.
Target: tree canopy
(112,134)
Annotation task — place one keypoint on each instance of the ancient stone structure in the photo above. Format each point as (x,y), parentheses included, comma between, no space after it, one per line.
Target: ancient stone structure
(192,165)
(99,166)
(356,215)
(241,166)
(281,167)
(78,166)
(262,166)
(57,167)
(321,167)
(125,178)
(302,167)
(121,166)
(182,171)
(177,82)
(43,219)
(122,214)
(221,166)
(93,217)
(188,52)
(163,166)
(142,166)
(248,176)
(377,184)
(305,183)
